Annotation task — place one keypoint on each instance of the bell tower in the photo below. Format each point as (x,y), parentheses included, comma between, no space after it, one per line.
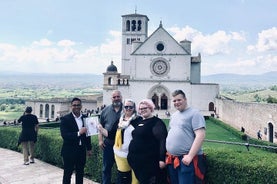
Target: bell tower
(134,29)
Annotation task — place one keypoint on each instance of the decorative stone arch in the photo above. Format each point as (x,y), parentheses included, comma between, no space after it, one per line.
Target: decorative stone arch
(160,95)
(110,81)
(128,25)
(40,110)
(46,110)
(164,102)
(134,25)
(211,106)
(155,100)
(139,25)
(52,111)
(270,132)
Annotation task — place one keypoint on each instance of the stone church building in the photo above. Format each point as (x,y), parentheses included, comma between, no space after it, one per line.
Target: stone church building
(156,65)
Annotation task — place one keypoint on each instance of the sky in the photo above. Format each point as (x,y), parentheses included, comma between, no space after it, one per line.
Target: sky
(84,36)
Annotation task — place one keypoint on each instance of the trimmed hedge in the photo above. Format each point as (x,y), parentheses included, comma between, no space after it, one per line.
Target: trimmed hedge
(224,165)
(230,166)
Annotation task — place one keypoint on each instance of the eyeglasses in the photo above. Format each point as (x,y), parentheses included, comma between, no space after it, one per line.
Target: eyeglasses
(129,107)
(76,105)
(143,108)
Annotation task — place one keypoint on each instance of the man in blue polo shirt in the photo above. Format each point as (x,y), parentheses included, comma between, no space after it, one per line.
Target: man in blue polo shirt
(108,117)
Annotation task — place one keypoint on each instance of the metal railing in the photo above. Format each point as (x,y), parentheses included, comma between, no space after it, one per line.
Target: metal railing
(247,145)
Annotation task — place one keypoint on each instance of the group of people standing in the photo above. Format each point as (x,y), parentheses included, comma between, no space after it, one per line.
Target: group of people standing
(137,141)
(144,149)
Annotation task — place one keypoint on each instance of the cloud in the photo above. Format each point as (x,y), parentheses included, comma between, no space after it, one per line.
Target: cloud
(211,44)
(222,52)
(267,41)
(249,64)
(42,42)
(66,43)
(226,52)
(63,56)
(112,46)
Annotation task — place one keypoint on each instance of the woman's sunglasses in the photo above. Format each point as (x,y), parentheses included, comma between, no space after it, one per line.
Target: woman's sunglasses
(129,107)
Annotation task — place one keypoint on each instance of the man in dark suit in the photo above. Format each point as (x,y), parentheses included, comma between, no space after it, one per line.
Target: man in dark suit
(75,143)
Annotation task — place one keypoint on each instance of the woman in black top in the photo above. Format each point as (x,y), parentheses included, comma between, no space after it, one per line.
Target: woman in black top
(147,149)
(28,135)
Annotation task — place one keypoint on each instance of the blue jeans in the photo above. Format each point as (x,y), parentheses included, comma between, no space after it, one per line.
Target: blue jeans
(183,174)
(108,161)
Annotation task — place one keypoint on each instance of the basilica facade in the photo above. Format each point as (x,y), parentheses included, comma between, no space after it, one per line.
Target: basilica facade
(156,65)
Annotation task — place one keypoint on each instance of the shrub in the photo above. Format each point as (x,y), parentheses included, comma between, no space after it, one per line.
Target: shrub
(225,165)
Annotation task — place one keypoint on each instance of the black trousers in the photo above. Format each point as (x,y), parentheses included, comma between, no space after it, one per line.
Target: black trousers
(124,177)
(77,163)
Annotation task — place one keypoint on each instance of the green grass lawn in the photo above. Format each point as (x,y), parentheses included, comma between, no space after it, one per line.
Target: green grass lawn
(216,132)
(9,116)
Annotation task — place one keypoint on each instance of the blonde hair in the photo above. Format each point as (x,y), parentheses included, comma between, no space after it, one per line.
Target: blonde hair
(149,103)
(133,102)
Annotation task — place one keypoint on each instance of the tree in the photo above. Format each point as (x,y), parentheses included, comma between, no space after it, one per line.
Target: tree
(271,99)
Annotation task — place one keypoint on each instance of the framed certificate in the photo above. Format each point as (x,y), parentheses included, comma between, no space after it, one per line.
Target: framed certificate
(91,125)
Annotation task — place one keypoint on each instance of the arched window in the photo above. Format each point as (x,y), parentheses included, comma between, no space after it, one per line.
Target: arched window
(52,111)
(164,100)
(110,81)
(47,111)
(270,132)
(211,106)
(133,25)
(139,25)
(40,110)
(128,25)
(155,100)
(125,82)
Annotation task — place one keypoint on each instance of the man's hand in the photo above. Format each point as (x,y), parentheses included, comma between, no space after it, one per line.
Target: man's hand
(187,159)
(101,145)
(102,130)
(89,153)
(162,164)
(83,130)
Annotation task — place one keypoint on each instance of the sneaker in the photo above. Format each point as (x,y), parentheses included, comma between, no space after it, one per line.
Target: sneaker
(26,163)
(32,161)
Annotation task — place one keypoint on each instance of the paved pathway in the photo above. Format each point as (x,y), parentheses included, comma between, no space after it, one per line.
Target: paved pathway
(12,171)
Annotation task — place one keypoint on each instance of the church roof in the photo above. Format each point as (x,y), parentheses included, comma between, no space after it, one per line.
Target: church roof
(166,37)
(135,15)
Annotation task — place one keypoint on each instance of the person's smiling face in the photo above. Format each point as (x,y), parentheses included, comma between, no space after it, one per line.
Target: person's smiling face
(180,102)
(116,98)
(129,109)
(145,111)
(76,108)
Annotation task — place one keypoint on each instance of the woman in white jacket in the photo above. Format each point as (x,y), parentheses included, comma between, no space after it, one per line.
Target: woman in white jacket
(127,123)
(122,130)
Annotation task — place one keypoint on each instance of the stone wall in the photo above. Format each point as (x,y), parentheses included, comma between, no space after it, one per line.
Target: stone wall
(251,116)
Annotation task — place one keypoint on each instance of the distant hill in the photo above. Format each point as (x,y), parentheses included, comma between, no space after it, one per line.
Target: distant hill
(70,81)
(66,81)
(236,81)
